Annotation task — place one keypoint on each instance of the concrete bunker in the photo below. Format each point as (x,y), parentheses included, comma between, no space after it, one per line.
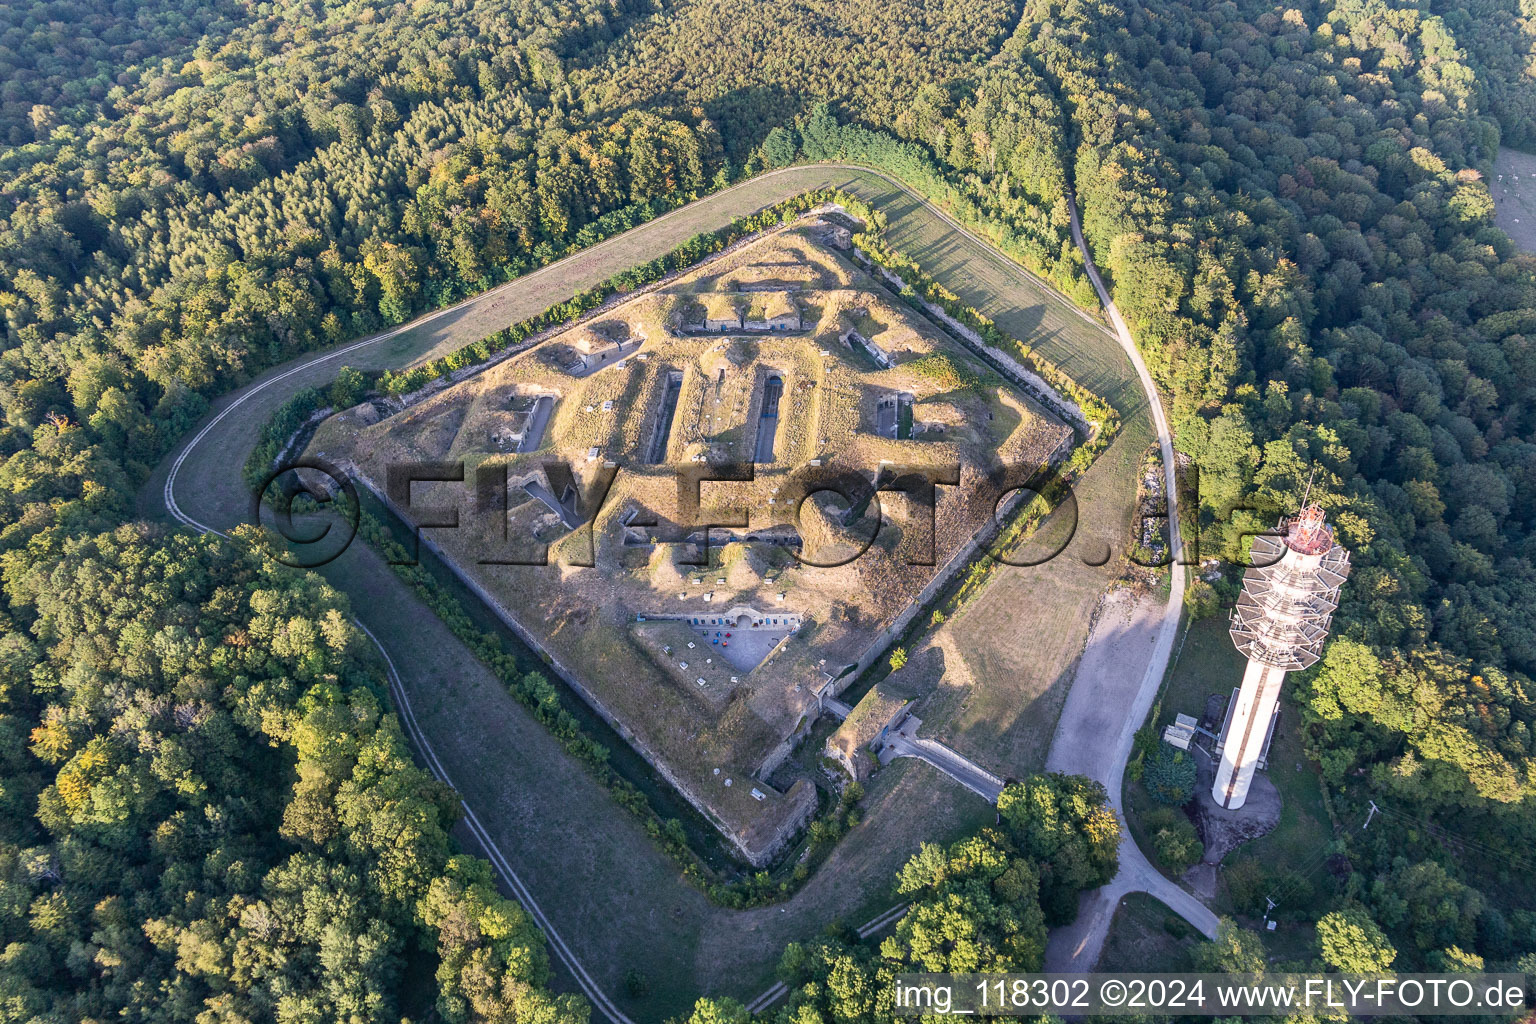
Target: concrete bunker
(565,506)
(893,415)
(598,345)
(530,415)
(856,341)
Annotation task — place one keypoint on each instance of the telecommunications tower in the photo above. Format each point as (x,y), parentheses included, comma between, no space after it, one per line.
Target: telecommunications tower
(1280,623)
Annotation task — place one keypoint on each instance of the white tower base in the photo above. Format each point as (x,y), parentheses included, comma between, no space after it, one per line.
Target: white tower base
(1246,732)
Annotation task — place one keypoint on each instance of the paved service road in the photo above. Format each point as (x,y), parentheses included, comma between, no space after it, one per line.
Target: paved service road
(1110,700)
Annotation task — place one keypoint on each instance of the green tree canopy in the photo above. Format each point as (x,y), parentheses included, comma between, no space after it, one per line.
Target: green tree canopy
(1352,943)
(1169,775)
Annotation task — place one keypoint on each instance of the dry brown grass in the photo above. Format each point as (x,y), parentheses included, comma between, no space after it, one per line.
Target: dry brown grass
(613,896)
(1019,639)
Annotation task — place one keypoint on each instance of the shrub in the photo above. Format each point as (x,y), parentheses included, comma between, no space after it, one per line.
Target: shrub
(347,389)
(944,372)
(1247,883)
(1169,775)
(1143,744)
(1202,600)
(1176,926)
(1299,894)
(1175,843)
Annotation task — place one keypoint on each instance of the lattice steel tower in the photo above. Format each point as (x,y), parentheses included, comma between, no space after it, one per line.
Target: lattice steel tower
(1280,623)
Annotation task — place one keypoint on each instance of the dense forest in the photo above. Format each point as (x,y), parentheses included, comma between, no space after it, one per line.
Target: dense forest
(983,904)
(210,812)
(1291,205)
(1313,268)
(1288,202)
(151,872)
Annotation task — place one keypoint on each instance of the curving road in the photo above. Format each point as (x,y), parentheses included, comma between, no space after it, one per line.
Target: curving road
(498,859)
(276,387)
(201,486)
(589,988)
(1094,704)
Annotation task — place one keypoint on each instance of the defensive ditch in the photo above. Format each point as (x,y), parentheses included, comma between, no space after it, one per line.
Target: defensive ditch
(703,838)
(768,420)
(657,453)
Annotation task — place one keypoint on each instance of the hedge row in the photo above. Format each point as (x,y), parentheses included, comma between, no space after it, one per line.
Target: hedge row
(288,418)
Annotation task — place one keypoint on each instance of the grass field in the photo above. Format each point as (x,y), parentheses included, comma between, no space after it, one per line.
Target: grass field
(1205,662)
(1514,196)
(586,619)
(616,899)
(1021,306)
(1022,634)
(1146,936)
